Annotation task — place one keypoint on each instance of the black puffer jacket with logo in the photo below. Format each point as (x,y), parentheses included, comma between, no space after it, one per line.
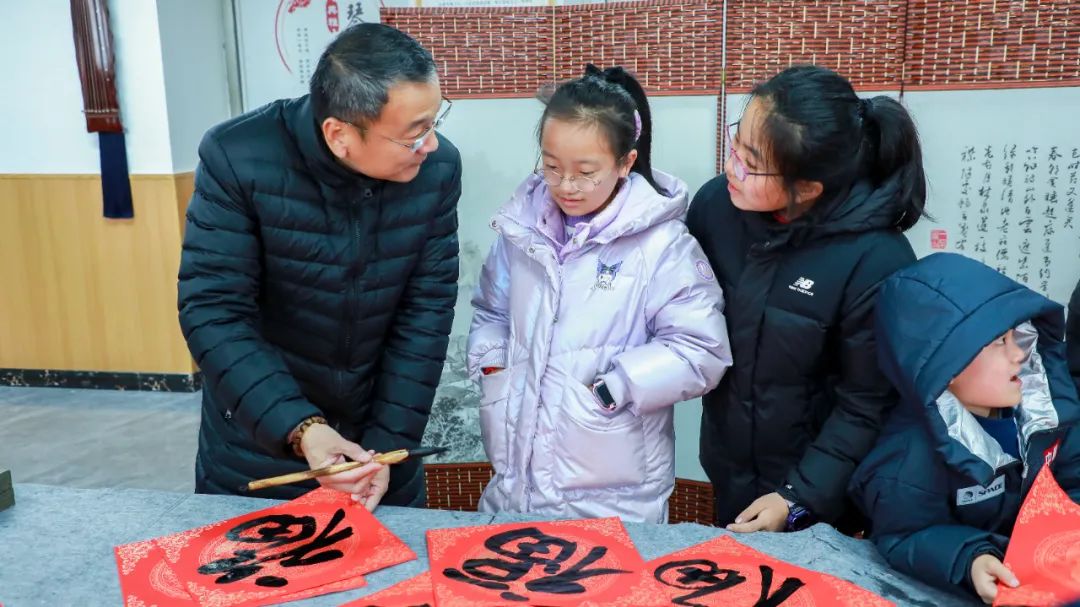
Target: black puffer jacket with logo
(804,400)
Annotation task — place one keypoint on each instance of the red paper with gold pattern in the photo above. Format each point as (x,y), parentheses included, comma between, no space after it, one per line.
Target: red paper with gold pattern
(342,586)
(413,592)
(146,580)
(580,563)
(724,572)
(339,542)
(1044,551)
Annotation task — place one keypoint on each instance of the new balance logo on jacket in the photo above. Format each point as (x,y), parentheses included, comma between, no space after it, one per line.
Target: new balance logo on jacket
(803,285)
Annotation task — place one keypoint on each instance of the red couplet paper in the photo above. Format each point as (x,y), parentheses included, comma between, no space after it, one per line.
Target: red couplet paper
(413,592)
(724,572)
(1044,551)
(320,543)
(145,578)
(578,563)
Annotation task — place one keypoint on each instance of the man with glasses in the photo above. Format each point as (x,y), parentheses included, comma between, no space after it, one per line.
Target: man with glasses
(319,274)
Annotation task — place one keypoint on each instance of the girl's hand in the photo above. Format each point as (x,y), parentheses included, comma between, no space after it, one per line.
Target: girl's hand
(767,513)
(986,571)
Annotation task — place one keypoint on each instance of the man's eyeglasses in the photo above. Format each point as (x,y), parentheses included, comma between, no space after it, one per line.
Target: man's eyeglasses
(741,170)
(415,145)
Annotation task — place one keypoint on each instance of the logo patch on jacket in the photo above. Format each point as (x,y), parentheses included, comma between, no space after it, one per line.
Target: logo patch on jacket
(803,285)
(605,275)
(1051,453)
(704,270)
(977,493)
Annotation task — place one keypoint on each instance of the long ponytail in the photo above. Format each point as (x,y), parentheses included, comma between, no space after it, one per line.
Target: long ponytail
(894,148)
(643,145)
(818,129)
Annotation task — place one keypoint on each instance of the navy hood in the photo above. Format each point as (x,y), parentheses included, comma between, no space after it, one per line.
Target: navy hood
(934,317)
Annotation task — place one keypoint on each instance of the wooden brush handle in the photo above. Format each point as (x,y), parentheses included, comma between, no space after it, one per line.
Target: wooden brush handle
(393,457)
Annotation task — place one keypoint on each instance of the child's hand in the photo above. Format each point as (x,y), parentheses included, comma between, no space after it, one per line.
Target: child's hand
(767,513)
(986,570)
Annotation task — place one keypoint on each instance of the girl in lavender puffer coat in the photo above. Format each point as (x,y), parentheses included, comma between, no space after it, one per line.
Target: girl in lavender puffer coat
(596,312)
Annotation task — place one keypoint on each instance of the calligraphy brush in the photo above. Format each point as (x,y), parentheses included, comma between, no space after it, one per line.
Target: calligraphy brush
(391,457)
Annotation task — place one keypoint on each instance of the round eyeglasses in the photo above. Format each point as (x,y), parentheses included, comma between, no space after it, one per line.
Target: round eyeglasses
(579,183)
(741,170)
(415,145)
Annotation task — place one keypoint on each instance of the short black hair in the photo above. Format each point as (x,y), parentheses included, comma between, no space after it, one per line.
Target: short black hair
(354,74)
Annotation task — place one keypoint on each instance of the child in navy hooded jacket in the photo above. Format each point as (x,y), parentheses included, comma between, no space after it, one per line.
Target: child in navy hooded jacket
(981,365)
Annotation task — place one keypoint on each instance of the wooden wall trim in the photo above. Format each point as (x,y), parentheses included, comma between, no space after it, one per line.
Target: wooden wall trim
(93,176)
(82,292)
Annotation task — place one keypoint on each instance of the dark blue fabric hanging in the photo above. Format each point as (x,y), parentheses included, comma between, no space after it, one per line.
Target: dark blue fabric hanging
(115,183)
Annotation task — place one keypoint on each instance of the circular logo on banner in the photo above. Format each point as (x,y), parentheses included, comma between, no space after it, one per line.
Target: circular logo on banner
(303,28)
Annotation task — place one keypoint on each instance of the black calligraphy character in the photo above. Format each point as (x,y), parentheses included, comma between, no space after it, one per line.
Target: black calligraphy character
(566,582)
(354,13)
(782,593)
(705,578)
(532,548)
(275,531)
(702,576)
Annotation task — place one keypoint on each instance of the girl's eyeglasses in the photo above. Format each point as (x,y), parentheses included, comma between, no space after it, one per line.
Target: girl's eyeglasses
(741,170)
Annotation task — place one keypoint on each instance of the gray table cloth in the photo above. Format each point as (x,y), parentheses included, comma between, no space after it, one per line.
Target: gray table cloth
(56,545)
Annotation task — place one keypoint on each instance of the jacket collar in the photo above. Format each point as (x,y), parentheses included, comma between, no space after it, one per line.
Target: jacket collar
(530,212)
(861,208)
(323,165)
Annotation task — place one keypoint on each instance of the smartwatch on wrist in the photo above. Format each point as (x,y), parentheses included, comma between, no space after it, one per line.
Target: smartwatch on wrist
(799,517)
(602,395)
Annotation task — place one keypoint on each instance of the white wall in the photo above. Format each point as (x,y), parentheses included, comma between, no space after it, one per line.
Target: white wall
(684,137)
(48,131)
(196,81)
(141,85)
(43,130)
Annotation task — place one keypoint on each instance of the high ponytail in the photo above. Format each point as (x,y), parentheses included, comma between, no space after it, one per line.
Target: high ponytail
(609,100)
(818,129)
(623,78)
(894,148)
